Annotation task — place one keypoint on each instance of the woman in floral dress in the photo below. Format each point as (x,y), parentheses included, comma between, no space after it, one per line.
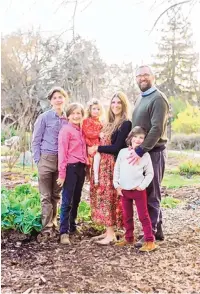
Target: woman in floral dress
(105,203)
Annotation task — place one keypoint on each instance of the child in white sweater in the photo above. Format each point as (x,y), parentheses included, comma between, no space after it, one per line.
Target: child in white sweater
(131,182)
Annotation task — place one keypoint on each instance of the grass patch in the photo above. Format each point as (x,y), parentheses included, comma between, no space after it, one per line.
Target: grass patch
(170,202)
(177,181)
(19,169)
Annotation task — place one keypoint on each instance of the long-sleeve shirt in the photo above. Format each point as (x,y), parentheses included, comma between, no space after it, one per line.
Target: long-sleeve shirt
(151,112)
(128,176)
(45,135)
(118,140)
(71,147)
(91,129)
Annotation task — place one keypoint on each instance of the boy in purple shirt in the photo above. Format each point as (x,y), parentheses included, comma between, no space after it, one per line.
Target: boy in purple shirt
(45,154)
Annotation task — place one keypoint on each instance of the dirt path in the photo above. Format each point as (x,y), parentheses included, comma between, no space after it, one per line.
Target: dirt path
(29,267)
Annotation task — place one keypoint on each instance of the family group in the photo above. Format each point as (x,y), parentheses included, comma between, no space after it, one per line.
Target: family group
(123,160)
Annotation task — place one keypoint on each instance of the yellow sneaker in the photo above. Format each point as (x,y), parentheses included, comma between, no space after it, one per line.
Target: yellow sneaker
(64,239)
(148,246)
(124,242)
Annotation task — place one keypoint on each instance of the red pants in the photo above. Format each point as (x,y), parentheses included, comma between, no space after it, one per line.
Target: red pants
(140,198)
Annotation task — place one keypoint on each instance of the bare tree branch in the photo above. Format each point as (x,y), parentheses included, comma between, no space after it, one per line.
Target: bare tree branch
(166,10)
(73,19)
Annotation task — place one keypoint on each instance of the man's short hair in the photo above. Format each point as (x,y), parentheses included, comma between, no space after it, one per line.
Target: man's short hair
(145,65)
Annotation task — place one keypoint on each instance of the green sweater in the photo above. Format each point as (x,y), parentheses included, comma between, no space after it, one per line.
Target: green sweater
(151,113)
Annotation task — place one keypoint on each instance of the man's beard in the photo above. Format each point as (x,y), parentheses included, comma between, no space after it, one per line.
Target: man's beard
(145,87)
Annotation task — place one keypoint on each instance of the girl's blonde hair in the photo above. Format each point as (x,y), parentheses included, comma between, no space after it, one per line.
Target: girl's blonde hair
(114,124)
(74,106)
(92,102)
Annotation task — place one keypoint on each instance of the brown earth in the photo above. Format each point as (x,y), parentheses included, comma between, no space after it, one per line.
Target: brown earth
(30,267)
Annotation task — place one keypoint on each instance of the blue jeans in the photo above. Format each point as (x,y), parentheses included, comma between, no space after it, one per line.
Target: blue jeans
(71,196)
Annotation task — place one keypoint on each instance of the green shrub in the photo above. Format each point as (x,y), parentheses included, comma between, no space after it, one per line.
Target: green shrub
(187,121)
(21,209)
(183,142)
(178,105)
(190,167)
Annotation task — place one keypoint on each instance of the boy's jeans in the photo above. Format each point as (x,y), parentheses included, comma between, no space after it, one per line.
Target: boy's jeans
(71,195)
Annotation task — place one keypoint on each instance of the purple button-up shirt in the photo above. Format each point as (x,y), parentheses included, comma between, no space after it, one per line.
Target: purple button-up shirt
(45,135)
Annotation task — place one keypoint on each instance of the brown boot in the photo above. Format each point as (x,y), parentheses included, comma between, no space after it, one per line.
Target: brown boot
(148,246)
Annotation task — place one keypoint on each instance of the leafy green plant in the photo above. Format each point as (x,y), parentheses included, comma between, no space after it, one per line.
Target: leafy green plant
(84,211)
(21,209)
(170,202)
(34,176)
(190,167)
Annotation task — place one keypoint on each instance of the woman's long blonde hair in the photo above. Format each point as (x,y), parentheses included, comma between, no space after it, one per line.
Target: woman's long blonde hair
(114,124)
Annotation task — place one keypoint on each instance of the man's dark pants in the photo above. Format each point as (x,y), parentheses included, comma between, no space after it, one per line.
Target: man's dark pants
(154,191)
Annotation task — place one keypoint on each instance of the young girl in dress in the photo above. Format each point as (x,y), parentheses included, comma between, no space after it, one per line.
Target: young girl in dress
(72,161)
(131,182)
(92,127)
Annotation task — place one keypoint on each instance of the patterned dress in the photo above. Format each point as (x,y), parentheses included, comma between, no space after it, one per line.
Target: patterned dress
(105,203)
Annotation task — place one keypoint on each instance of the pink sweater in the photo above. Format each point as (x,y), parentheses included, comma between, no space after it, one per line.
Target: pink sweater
(71,147)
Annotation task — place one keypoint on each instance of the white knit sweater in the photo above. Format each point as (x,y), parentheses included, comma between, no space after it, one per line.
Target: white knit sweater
(128,176)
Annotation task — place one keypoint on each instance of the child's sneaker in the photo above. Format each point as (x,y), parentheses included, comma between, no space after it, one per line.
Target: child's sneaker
(64,239)
(124,242)
(148,246)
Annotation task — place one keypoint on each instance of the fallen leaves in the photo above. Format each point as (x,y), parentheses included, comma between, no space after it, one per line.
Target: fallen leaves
(87,268)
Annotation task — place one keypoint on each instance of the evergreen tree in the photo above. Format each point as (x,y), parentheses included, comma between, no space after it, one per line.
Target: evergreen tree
(176,63)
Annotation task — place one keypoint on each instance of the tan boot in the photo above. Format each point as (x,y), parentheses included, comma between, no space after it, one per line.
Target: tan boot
(148,246)
(64,239)
(123,243)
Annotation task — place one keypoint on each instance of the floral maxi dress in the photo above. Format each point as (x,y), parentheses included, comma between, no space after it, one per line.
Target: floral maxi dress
(105,203)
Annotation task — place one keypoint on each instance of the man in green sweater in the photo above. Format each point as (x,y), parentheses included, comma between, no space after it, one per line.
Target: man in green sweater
(151,112)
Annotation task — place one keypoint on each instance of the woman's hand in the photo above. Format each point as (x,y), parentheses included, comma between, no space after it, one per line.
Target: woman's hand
(60,182)
(92,150)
